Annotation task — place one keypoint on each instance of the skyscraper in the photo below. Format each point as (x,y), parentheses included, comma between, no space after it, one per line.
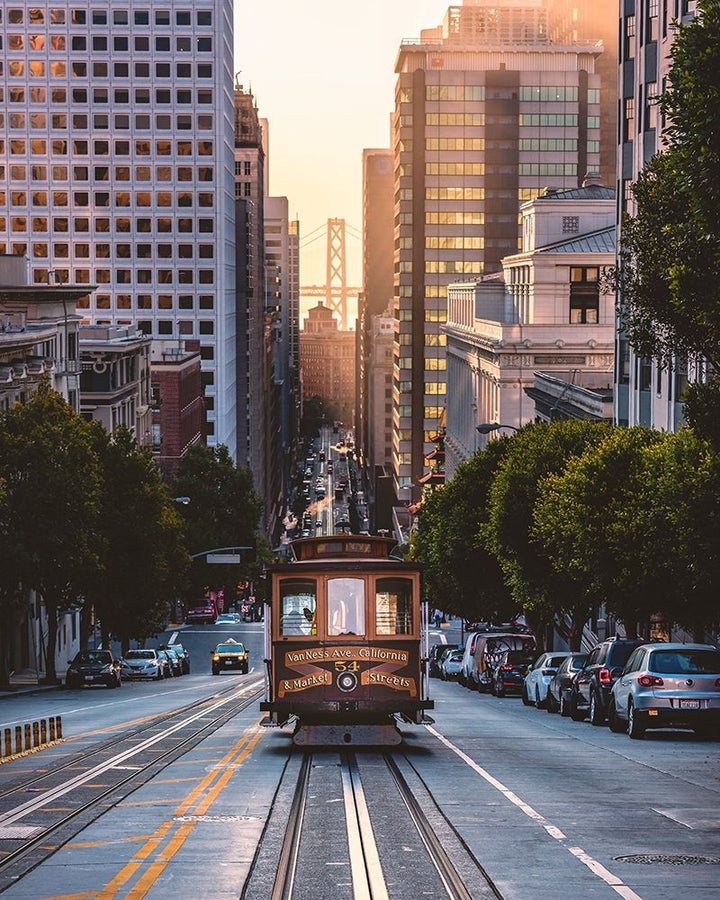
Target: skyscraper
(116,167)
(489,112)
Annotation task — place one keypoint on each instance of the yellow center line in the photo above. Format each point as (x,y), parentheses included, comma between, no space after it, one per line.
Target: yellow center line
(203,794)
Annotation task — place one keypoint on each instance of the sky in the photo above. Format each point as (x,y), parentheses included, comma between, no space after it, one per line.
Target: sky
(323,74)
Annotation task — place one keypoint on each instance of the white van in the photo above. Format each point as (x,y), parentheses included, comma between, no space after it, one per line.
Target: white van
(489,649)
(468,658)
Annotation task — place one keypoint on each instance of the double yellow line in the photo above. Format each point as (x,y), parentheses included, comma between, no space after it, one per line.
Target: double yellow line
(161,847)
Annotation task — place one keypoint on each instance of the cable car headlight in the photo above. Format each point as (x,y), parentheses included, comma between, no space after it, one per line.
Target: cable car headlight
(347,681)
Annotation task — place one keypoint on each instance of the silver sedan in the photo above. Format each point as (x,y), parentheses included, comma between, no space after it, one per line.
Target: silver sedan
(668,686)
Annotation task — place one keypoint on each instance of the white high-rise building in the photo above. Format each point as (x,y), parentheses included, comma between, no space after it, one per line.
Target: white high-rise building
(116,167)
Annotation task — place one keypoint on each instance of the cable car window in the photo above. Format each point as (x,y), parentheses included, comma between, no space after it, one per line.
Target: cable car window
(393,606)
(298,606)
(346,606)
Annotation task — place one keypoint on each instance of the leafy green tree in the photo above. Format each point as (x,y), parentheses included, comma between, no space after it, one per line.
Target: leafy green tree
(535,452)
(591,522)
(683,503)
(52,480)
(144,560)
(223,511)
(460,574)
(12,596)
(669,272)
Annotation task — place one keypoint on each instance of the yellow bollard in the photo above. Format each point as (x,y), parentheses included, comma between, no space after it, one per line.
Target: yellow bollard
(8,742)
(35,734)
(51,723)
(43,731)
(58,721)
(18,738)
(28,737)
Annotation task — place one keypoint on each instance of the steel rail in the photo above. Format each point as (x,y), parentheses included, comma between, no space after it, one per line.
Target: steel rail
(450,877)
(290,849)
(111,744)
(159,761)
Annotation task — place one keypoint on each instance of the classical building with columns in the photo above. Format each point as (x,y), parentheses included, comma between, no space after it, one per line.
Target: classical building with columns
(545,312)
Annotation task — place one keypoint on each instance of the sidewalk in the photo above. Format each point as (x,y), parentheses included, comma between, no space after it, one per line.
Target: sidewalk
(25,682)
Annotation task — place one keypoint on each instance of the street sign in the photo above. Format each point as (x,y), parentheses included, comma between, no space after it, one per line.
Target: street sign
(223,559)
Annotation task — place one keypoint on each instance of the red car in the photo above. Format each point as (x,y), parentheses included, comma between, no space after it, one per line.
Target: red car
(203,612)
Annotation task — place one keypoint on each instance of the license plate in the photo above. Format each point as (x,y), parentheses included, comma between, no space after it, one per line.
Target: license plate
(689,704)
(229,662)
(89,678)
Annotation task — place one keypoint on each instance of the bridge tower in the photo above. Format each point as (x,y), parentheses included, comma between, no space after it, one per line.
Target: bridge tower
(336,289)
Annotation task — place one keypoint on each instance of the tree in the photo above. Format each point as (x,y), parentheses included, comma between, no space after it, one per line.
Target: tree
(12,595)
(52,480)
(460,574)
(224,511)
(536,451)
(669,259)
(683,501)
(144,560)
(591,522)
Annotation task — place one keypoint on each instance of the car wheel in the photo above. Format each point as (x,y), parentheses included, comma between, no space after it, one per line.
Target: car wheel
(216,671)
(635,728)
(597,716)
(539,704)
(617,726)
(551,704)
(525,699)
(159,676)
(564,707)
(577,715)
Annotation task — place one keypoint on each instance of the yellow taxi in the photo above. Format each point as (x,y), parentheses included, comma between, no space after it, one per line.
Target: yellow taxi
(230,654)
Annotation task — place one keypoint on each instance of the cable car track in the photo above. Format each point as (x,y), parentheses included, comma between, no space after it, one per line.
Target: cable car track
(371,868)
(134,761)
(83,755)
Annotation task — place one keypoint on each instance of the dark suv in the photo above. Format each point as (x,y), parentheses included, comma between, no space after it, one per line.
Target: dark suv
(591,687)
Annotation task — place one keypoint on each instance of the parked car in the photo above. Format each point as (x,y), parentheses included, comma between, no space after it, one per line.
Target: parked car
(489,650)
(167,665)
(538,678)
(142,664)
(668,686)
(202,612)
(228,619)
(509,674)
(450,665)
(435,656)
(558,692)
(175,662)
(180,651)
(230,654)
(90,667)
(590,691)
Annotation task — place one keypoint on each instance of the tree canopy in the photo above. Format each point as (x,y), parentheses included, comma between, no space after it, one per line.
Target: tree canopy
(223,511)
(52,480)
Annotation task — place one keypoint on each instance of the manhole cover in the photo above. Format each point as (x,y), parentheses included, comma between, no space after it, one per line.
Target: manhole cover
(669,859)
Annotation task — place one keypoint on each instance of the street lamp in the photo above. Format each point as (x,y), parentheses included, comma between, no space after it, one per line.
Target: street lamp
(487,427)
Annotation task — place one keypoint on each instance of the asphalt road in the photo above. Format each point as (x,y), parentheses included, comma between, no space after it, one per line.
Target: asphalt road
(547,806)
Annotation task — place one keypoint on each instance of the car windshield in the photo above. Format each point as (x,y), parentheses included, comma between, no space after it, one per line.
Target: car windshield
(685,662)
(554,661)
(455,654)
(576,663)
(94,656)
(621,653)
(229,648)
(518,657)
(140,654)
